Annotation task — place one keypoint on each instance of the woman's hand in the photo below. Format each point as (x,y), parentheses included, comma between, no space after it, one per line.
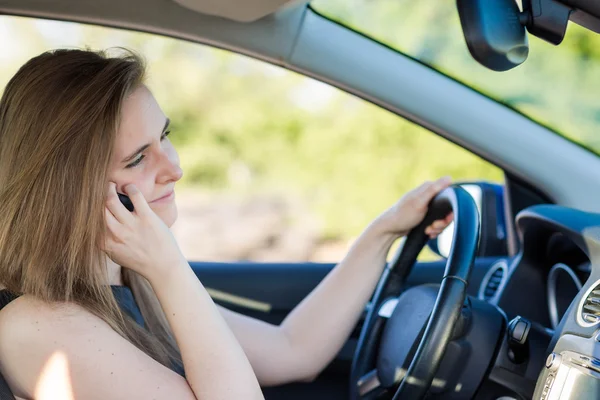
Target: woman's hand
(410,210)
(138,240)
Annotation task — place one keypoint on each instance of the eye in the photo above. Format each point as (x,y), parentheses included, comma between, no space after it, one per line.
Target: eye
(136,162)
(165,135)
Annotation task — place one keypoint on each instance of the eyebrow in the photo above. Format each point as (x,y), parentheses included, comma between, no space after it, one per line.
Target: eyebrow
(144,147)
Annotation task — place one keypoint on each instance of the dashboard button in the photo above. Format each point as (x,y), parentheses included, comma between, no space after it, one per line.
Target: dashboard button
(553,361)
(519,331)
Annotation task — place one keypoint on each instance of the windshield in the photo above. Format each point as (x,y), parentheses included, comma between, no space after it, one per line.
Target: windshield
(559,87)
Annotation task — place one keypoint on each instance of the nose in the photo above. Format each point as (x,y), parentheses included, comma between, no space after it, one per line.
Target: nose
(169,170)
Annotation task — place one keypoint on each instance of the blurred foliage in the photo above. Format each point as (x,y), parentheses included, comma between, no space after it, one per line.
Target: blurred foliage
(244,126)
(556,86)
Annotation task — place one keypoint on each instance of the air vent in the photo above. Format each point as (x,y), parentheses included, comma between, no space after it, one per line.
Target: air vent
(589,308)
(493,280)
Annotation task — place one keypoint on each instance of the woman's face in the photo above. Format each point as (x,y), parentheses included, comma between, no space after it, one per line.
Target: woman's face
(144,156)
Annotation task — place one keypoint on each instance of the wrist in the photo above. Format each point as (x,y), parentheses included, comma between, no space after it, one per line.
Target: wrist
(382,229)
(375,240)
(165,272)
(383,238)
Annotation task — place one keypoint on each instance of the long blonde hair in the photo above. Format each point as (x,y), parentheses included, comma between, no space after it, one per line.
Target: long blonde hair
(58,123)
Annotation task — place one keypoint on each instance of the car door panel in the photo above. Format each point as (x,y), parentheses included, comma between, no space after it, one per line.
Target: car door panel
(269,291)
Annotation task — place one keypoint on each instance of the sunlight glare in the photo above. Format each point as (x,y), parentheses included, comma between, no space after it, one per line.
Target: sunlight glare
(54,382)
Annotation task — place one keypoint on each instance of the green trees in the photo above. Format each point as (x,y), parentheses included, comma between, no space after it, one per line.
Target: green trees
(245,127)
(557,86)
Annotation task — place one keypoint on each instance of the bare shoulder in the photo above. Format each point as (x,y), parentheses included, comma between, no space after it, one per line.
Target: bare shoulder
(42,344)
(31,331)
(28,321)
(27,310)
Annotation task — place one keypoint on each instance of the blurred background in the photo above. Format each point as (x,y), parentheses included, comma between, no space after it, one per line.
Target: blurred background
(279,167)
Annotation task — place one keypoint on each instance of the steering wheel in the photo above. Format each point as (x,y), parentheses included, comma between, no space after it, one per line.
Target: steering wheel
(405,335)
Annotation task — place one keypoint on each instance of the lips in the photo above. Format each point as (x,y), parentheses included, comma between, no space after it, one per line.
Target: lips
(163,197)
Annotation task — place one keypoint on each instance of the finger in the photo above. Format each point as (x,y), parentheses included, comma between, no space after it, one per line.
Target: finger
(114,205)
(140,205)
(437,187)
(112,223)
(430,230)
(432,189)
(416,195)
(422,189)
(440,224)
(450,217)
(435,232)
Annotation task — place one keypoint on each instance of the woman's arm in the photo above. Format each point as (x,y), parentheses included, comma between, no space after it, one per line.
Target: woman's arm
(64,351)
(215,364)
(314,332)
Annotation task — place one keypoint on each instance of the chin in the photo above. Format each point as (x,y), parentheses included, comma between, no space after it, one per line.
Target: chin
(168,216)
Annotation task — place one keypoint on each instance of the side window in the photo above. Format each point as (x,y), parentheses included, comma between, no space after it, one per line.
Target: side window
(277,166)
(280,167)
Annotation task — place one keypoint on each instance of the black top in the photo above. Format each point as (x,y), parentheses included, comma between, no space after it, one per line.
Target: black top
(125,299)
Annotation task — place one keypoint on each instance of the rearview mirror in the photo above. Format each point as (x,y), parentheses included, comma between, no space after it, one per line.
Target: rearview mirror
(489,198)
(493,32)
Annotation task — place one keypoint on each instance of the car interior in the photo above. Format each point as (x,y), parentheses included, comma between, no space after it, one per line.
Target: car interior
(512,308)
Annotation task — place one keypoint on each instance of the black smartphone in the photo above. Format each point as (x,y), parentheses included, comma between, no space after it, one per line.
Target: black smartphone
(126,201)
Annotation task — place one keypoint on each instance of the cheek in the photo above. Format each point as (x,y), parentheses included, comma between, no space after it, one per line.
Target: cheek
(145,186)
(143,183)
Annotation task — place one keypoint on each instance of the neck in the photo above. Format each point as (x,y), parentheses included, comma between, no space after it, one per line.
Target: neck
(114,272)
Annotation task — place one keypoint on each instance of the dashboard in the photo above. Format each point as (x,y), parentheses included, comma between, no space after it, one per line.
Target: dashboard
(551,268)
(565,268)
(562,286)
(568,268)
(552,282)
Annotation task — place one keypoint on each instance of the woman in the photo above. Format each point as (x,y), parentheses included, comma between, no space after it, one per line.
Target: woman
(76,129)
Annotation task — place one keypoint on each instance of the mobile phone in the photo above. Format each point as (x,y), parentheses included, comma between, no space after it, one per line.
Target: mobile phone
(126,201)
